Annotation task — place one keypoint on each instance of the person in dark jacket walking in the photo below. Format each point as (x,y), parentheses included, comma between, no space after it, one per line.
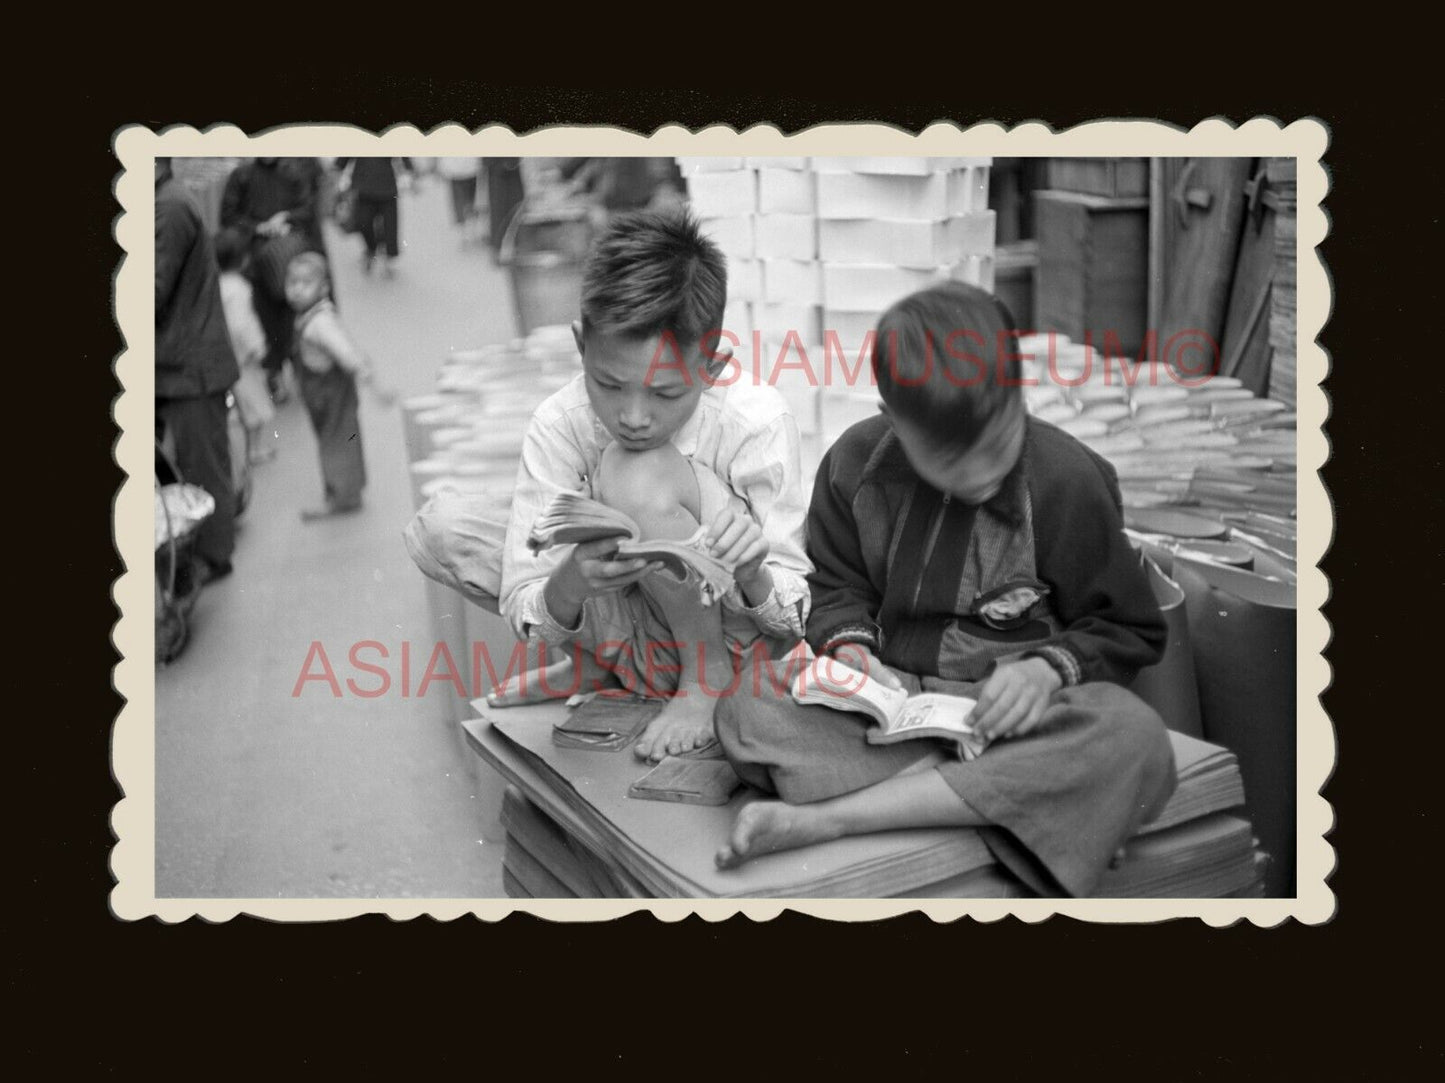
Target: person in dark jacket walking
(273,204)
(195,365)
(374,182)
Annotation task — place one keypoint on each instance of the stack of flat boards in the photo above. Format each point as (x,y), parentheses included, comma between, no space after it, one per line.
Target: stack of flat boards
(1200,445)
(573,832)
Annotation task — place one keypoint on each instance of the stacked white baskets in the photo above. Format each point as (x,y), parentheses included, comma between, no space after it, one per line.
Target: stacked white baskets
(818,247)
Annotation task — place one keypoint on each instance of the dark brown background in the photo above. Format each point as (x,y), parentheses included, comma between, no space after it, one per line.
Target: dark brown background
(679,1000)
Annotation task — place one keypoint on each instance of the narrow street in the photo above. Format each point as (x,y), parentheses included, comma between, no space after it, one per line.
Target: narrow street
(261,792)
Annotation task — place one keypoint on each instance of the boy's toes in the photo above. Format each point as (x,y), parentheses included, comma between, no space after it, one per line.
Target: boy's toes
(506,695)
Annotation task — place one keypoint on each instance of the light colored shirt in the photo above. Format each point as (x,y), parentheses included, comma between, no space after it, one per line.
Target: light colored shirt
(743,433)
(458,168)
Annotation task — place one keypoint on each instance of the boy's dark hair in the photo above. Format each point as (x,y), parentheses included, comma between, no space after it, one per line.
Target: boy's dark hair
(946,359)
(654,272)
(230,250)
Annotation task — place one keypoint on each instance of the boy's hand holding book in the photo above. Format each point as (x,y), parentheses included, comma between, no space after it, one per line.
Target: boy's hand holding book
(737,541)
(601,535)
(831,681)
(1013,699)
(590,570)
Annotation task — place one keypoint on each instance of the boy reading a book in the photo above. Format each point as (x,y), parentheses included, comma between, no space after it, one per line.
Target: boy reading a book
(963,546)
(654,427)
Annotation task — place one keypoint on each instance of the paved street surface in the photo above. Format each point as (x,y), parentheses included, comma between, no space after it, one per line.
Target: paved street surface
(260,793)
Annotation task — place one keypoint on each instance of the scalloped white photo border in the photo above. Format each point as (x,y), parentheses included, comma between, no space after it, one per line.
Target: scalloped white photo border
(133,742)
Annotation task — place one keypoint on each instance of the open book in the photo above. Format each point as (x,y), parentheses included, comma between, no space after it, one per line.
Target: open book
(571,518)
(830,683)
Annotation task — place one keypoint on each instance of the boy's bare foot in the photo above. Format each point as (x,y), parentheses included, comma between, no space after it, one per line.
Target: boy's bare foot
(556,680)
(685,724)
(765,827)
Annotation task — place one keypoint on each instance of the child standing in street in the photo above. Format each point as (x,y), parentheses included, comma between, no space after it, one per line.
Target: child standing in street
(330,367)
(248,340)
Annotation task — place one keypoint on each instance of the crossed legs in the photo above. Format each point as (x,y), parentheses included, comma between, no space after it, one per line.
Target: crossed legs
(660,490)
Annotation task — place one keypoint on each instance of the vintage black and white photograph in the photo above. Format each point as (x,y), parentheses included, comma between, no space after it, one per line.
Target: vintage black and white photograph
(917,522)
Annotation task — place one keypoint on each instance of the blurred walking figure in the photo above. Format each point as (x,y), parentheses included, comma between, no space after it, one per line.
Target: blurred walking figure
(248,341)
(195,366)
(621,185)
(461,175)
(504,196)
(373,182)
(274,206)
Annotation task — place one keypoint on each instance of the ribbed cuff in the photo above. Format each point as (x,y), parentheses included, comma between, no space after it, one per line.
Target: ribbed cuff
(1062,660)
(864,632)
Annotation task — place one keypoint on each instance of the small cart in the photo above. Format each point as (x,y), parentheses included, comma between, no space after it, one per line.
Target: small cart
(180,511)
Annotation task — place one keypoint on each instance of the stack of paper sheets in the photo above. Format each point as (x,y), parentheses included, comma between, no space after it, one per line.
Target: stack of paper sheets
(572,827)
(466,436)
(1198,444)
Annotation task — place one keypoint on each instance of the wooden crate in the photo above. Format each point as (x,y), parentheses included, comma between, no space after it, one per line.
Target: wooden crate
(1113,177)
(1093,273)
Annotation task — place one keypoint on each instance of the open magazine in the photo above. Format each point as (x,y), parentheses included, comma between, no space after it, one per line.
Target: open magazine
(900,717)
(571,518)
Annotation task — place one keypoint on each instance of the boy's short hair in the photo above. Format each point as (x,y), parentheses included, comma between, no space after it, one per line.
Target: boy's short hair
(315,260)
(946,359)
(230,249)
(653,272)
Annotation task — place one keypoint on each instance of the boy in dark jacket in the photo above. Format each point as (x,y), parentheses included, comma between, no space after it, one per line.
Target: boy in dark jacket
(962,546)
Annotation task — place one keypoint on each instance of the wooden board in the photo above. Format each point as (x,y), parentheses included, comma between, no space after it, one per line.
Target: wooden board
(1093,267)
(1245,343)
(1203,243)
(1099,176)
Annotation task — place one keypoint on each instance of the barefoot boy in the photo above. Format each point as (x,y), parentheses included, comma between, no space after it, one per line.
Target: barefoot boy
(962,546)
(655,427)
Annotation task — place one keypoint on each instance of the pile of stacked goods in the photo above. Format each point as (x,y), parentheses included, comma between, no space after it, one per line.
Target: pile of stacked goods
(1203,463)
(1207,472)
(463,445)
(466,436)
(817,248)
